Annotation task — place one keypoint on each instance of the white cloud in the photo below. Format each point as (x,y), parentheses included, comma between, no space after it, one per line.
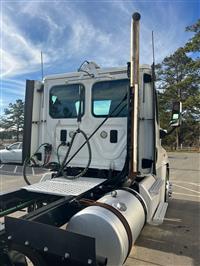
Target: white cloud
(19,55)
(14,87)
(72,35)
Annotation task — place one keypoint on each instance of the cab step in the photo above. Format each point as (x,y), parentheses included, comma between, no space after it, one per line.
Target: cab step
(160,213)
(155,188)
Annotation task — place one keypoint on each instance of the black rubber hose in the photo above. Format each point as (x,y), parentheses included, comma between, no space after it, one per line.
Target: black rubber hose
(64,164)
(28,160)
(57,151)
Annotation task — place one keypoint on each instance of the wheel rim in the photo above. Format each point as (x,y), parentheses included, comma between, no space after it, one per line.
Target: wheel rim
(168,190)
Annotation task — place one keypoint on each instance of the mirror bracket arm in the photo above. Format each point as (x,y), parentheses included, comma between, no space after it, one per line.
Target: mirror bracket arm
(164,134)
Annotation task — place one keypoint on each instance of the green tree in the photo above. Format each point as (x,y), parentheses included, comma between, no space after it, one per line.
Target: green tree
(193,45)
(13,118)
(178,80)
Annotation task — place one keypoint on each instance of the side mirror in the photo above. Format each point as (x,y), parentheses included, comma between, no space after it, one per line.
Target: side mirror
(176,118)
(163,133)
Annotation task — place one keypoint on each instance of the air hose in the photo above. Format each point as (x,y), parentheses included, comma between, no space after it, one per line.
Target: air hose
(64,164)
(29,160)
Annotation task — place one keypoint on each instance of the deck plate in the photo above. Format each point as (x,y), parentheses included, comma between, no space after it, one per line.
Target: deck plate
(65,187)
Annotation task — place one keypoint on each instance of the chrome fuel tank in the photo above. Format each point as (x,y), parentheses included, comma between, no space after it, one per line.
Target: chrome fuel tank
(110,232)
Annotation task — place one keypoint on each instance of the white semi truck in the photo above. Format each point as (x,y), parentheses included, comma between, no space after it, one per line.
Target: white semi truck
(98,132)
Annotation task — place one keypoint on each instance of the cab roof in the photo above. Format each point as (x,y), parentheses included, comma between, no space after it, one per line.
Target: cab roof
(99,72)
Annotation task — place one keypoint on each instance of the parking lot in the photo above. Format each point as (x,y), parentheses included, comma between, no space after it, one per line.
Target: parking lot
(175,242)
(11,176)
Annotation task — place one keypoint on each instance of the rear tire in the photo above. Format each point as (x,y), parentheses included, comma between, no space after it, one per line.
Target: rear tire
(168,191)
(25,257)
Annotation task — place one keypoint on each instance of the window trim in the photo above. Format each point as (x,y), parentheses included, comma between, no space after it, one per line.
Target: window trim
(68,84)
(91,109)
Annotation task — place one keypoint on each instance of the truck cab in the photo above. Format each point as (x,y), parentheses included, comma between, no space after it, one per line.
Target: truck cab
(63,103)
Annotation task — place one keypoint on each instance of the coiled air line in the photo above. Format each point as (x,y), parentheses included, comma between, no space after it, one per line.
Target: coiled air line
(64,163)
(31,160)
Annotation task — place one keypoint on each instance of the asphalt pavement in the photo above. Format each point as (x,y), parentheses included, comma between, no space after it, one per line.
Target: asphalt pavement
(11,176)
(177,241)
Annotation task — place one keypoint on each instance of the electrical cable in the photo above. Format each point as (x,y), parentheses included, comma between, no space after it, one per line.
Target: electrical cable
(25,164)
(57,151)
(31,160)
(66,157)
(67,154)
(91,75)
(83,64)
(81,70)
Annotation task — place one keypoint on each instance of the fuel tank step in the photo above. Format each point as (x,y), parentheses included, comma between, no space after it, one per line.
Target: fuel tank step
(160,213)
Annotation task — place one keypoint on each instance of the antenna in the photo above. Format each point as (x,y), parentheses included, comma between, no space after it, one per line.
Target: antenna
(153,52)
(153,55)
(154,101)
(42,70)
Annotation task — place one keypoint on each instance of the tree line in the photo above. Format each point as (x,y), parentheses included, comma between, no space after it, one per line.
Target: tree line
(12,122)
(178,79)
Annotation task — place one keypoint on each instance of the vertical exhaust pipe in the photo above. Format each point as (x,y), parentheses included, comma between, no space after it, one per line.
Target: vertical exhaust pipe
(134,84)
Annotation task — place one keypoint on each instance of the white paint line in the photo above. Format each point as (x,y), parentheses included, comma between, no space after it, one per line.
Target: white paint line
(15,170)
(33,172)
(4,172)
(183,194)
(187,189)
(185,182)
(173,220)
(1,166)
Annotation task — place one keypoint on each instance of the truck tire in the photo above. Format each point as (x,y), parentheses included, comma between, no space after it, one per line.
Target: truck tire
(168,191)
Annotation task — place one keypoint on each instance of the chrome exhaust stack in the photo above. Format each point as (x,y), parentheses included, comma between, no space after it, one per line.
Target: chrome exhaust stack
(134,84)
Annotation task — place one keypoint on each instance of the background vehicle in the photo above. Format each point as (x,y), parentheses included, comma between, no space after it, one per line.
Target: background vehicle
(11,153)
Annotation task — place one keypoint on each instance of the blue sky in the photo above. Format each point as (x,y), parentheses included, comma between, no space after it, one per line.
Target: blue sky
(69,32)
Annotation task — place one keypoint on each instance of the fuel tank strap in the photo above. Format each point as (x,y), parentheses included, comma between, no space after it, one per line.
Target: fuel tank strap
(137,195)
(119,216)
